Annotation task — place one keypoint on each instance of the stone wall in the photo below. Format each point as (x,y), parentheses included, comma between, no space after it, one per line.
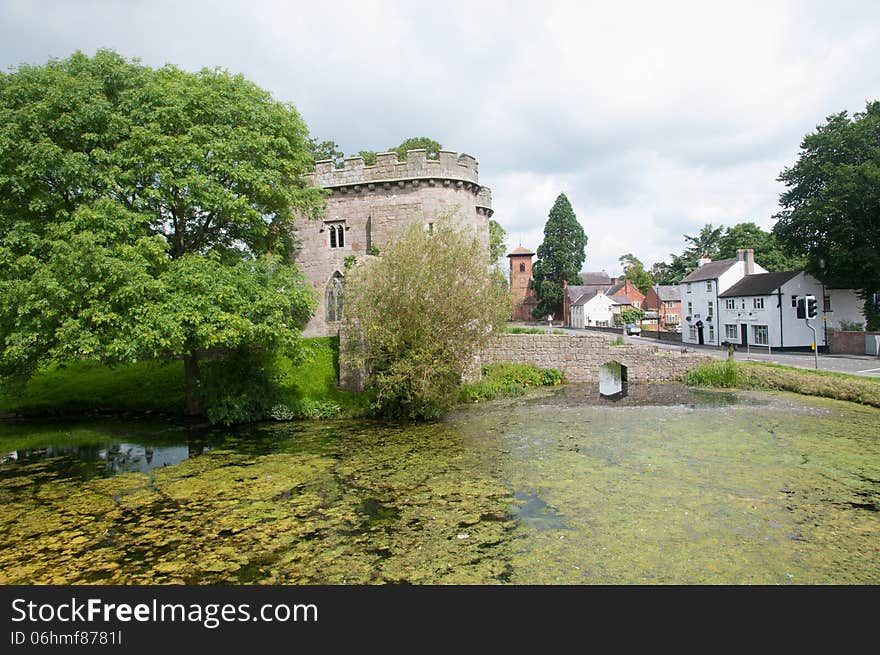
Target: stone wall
(579,356)
(373,203)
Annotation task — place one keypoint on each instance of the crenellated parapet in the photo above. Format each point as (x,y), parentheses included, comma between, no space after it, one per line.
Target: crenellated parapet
(449,168)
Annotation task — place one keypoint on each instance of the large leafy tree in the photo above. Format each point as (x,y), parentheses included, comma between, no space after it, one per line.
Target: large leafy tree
(497,247)
(560,257)
(831,206)
(418,315)
(768,251)
(146,213)
(414,143)
(634,271)
(705,242)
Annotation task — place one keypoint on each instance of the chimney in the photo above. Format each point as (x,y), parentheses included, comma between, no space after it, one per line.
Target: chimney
(703,260)
(747,256)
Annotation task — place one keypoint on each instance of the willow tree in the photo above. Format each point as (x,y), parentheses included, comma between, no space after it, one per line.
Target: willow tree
(145,213)
(419,314)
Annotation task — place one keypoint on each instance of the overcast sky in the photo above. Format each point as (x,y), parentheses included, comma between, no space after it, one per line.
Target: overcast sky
(654,118)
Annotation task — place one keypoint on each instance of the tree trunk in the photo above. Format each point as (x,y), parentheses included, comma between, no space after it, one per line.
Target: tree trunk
(193,400)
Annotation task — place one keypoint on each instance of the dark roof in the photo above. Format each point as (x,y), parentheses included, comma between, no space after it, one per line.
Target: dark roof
(520,251)
(760,284)
(584,298)
(621,299)
(710,271)
(577,291)
(600,277)
(667,292)
(617,287)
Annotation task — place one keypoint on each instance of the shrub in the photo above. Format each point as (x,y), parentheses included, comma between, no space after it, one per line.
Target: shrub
(617,341)
(239,387)
(508,380)
(852,326)
(418,315)
(714,374)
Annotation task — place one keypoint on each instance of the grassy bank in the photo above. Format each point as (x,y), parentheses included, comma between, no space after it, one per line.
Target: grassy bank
(505,380)
(749,375)
(306,389)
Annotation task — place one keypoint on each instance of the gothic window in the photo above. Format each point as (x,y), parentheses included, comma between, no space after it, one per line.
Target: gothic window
(334,298)
(337,234)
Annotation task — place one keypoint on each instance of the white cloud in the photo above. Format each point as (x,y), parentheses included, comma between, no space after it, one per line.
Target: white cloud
(654,118)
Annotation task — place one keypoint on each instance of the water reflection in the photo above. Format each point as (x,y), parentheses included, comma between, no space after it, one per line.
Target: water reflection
(613,380)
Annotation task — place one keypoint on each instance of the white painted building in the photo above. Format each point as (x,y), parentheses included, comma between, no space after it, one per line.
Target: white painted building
(761,310)
(700,295)
(592,308)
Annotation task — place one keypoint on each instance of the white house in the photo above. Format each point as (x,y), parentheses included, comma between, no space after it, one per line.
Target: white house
(592,308)
(700,294)
(761,310)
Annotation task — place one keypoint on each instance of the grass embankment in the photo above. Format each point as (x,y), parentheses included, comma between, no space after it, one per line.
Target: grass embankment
(500,380)
(308,388)
(748,375)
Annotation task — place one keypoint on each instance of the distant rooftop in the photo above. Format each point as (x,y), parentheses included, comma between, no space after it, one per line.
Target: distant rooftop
(520,251)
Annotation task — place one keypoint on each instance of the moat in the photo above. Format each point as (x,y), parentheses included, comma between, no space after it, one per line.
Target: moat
(667,485)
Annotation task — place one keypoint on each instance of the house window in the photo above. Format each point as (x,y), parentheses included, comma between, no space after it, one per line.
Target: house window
(711,332)
(731,332)
(670,304)
(758,303)
(759,332)
(730,303)
(708,285)
(337,234)
(693,333)
(743,303)
(689,287)
(636,304)
(333,298)
(794,302)
(522,267)
(690,308)
(672,318)
(827,304)
(711,311)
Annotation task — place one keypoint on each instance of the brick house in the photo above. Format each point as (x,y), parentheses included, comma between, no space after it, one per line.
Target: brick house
(665,300)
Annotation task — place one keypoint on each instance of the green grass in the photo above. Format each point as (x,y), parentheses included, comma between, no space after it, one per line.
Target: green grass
(750,375)
(501,380)
(514,329)
(309,387)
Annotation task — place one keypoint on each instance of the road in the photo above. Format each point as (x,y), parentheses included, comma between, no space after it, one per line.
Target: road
(864,365)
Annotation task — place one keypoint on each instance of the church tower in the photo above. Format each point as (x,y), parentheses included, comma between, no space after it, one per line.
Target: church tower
(524,300)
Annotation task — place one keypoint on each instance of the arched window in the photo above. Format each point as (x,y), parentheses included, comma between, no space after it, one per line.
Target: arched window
(333,298)
(337,234)
(522,267)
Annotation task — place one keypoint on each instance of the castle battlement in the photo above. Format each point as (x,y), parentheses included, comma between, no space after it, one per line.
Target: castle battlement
(450,166)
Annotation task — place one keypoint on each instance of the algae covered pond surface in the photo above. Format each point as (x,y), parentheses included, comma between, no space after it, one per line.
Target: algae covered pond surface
(668,485)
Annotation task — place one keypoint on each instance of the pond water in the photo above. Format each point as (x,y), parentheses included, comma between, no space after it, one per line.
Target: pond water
(665,485)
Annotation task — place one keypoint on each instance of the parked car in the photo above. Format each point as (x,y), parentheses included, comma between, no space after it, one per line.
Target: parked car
(677,329)
(632,328)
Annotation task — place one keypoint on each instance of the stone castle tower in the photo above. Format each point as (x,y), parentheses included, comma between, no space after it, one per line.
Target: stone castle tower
(524,299)
(367,205)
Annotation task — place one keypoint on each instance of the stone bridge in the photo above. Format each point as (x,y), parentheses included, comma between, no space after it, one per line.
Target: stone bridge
(579,356)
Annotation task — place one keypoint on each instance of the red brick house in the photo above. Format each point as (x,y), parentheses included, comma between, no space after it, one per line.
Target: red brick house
(666,301)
